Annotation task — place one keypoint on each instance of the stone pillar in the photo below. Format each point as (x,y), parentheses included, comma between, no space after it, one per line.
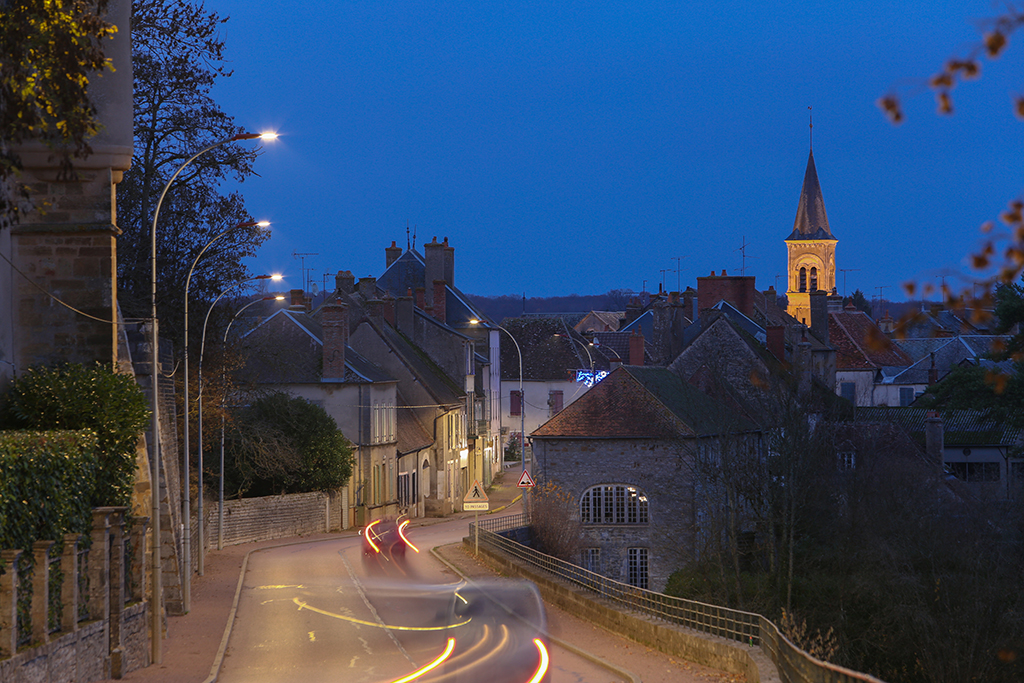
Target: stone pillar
(69,589)
(9,603)
(137,570)
(41,592)
(99,559)
(116,596)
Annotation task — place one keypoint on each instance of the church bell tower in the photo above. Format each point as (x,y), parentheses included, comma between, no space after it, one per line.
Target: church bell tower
(811,249)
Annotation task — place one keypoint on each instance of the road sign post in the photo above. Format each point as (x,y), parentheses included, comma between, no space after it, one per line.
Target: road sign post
(476,500)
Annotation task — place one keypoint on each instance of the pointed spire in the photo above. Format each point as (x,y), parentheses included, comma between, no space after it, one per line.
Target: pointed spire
(811,220)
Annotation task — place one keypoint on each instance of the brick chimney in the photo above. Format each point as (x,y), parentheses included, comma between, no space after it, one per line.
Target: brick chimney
(404,315)
(344,282)
(421,298)
(819,315)
(777,341)
(449,263)
(636,348)
(334,321)
(433,257)
(296,300)
(440,297)
(934,440)
(738,290)
(392,253)
(389,309)
(375,310)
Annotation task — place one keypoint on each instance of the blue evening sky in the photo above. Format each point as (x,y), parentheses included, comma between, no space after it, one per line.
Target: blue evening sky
(576,147)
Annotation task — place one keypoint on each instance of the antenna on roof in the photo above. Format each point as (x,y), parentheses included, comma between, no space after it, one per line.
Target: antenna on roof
(810,136)
(743,253)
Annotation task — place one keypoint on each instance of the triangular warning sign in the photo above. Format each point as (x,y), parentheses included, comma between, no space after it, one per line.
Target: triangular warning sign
(525,481)
(476,494)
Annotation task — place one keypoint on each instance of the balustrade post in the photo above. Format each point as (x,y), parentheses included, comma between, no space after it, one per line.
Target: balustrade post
(99,564)
(40,609)
(69,589)
(116,606)
(9,603)
(137,570)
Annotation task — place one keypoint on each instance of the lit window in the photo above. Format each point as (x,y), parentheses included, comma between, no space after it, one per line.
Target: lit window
(616,504)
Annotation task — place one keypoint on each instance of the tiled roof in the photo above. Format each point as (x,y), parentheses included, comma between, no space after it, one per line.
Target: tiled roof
(600,321)
(960,427)
(860,345)
(635,403)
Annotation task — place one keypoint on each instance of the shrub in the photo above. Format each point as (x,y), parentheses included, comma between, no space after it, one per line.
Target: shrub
(74,396)
(46,482)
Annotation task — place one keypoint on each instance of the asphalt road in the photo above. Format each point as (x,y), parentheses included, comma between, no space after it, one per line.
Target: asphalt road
(321,611)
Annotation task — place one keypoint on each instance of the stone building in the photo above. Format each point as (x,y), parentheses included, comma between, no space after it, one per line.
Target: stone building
(811,248)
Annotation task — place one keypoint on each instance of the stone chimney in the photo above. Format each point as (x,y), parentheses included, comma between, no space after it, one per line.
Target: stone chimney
(819,315)
(449,263)
(933,372)
(296,300)
(886,324)
(690,304)
(421,298)
(633,309)
(334,321)
(404,315)
(669,322)
(375,311)
(777,341)
(636,348)
(389,309)
(433,256)
(738,290)
(934,440)
(392,254)
(344,282)
(368,287)
(440,301)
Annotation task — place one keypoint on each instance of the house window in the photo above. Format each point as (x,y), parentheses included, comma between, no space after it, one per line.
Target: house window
(618,504)
(906,396)
(515,400)
(846,460)
(591,560)
(803,279)
(848,390)
(814,279)
(636,571)
(974,471)
(555,402)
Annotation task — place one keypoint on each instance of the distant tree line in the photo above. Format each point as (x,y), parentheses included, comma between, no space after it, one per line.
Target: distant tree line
(514,305)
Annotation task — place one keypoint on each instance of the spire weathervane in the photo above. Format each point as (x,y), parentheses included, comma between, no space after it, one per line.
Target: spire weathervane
(810,135)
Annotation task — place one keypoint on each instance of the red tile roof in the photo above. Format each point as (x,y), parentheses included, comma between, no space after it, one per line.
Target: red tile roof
(860,345)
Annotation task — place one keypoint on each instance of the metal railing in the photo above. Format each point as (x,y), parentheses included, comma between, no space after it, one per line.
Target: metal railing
(794,665)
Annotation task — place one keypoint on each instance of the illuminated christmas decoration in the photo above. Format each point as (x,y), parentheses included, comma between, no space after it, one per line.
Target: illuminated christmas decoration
(590,378)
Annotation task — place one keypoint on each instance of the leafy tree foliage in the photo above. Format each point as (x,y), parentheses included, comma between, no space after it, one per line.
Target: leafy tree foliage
(284,444)
(859,301)
(177,57)
(93,397)
(48,50)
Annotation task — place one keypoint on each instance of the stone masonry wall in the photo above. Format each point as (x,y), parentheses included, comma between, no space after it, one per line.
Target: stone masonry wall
(259,519)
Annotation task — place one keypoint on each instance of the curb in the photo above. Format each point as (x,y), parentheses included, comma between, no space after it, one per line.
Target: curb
(618,671)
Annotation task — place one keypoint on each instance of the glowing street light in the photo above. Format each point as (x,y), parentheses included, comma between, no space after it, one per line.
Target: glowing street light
(156,597)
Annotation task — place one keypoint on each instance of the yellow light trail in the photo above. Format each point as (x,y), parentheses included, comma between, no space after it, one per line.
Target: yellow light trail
(304,605)
(432,665)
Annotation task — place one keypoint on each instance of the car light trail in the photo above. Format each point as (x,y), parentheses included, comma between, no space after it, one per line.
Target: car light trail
(367,533)
(401,532)
(303,605)
(542,668)
(432,665)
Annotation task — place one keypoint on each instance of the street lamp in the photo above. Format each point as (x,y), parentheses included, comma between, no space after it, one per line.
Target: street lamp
(157,595)
(584,347)
(220,497)
(522,403)
(199,401)
(186,503)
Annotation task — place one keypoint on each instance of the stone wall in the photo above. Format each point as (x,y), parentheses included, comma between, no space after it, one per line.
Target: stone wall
(259,519)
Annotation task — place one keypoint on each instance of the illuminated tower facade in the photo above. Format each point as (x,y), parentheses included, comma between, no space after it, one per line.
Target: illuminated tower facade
(811,249)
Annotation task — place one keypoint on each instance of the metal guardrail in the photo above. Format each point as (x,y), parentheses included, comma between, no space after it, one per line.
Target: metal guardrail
(794,665)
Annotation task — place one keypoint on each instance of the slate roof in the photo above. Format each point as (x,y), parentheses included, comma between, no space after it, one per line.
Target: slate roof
(408,272)
(412,436)
(287,348)
(547,354)
(860,345)
(638,403)
(811,220)
(960,427)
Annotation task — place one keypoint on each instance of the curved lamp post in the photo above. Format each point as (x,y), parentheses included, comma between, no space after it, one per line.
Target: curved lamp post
(584,347)
(186,503)
(199,400)
(223,402)
(157,586)
(522,407)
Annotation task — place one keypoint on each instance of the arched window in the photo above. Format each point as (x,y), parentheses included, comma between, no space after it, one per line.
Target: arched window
(613,504)
(814,279)
(803,279)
